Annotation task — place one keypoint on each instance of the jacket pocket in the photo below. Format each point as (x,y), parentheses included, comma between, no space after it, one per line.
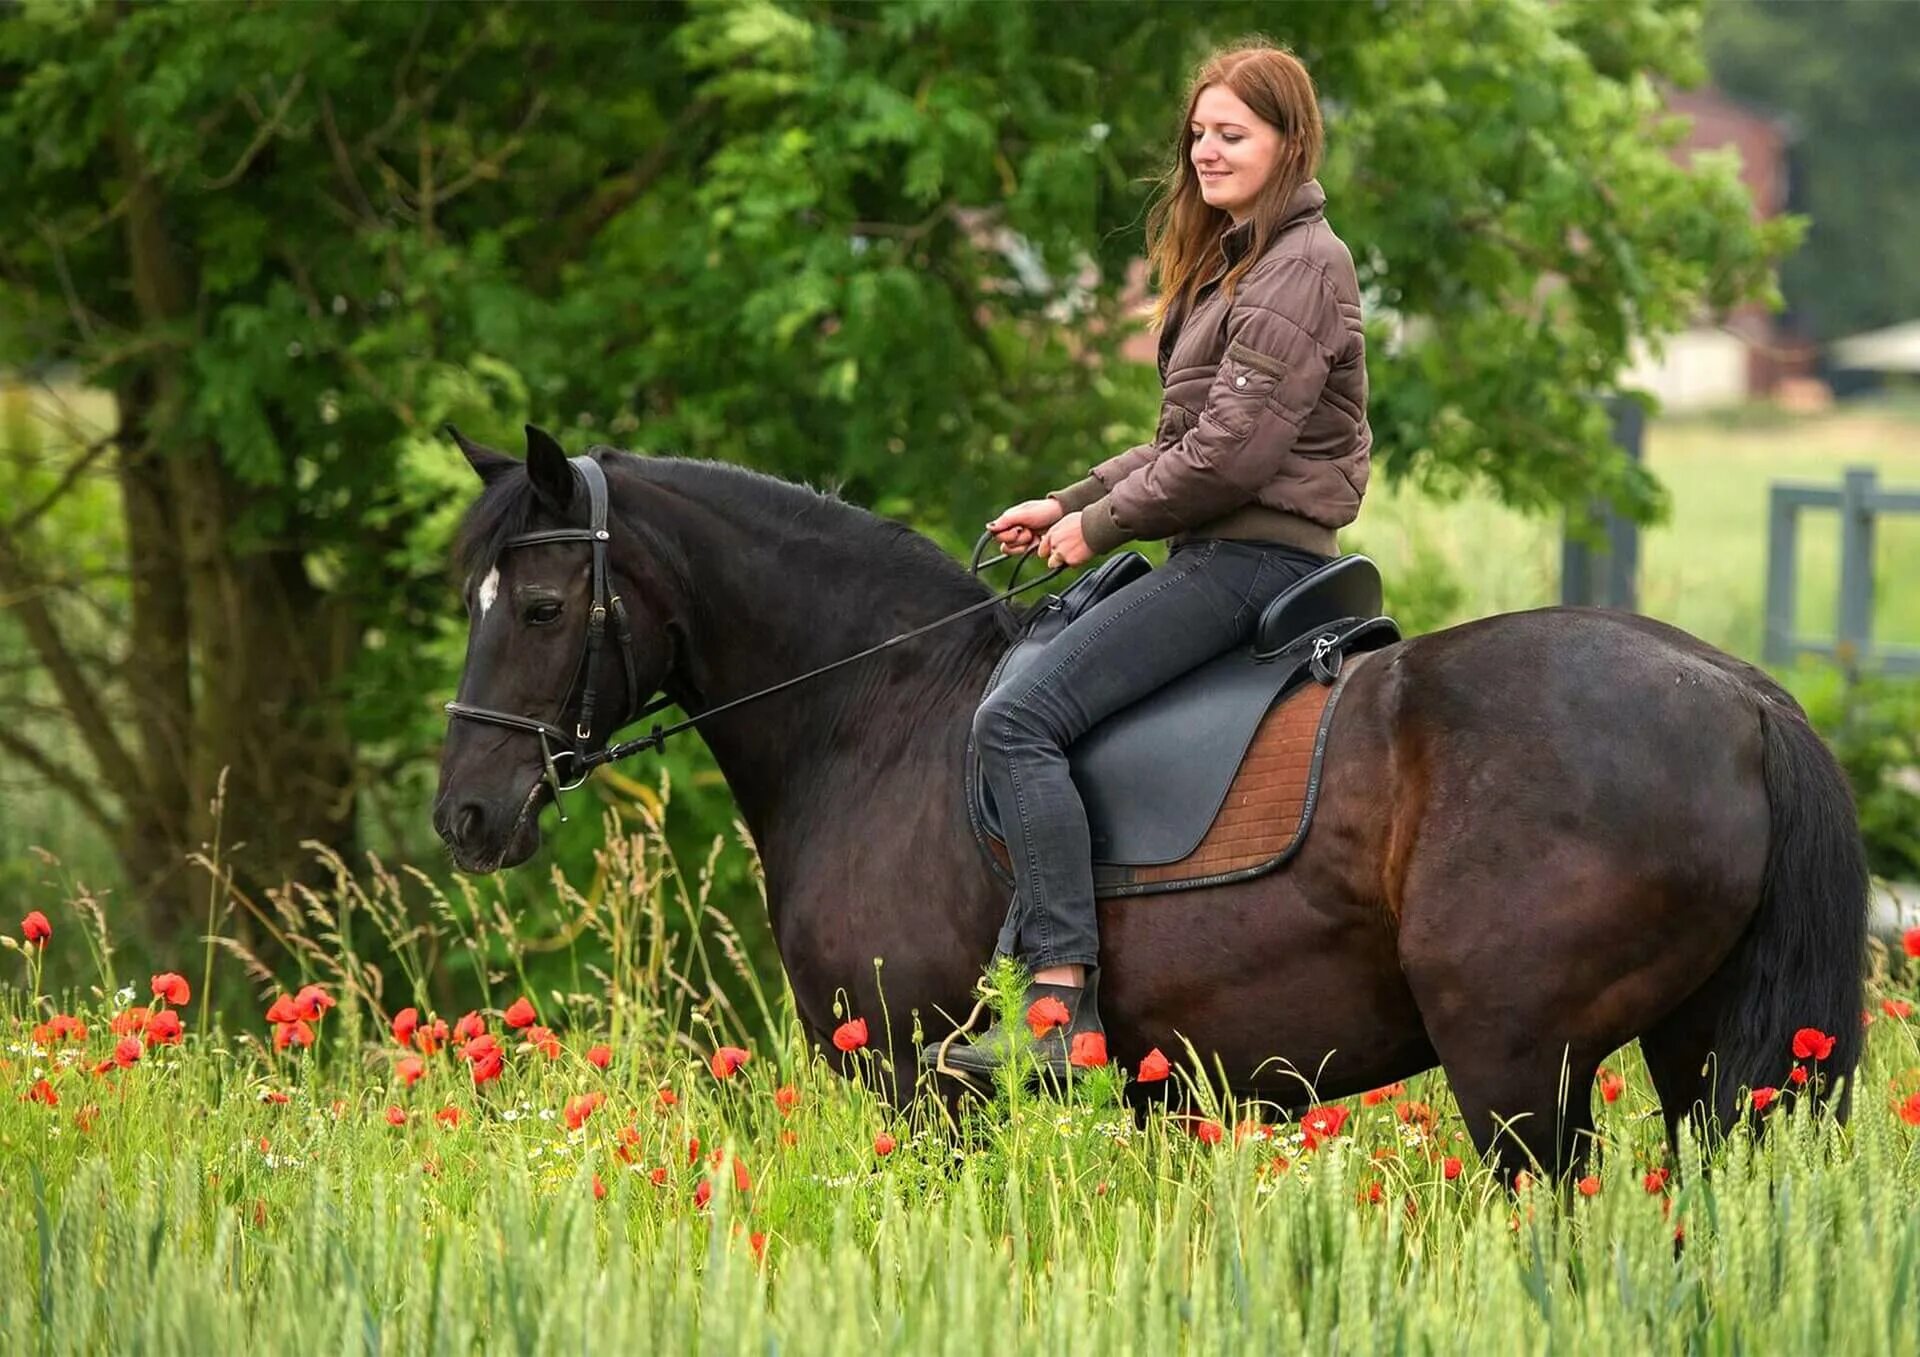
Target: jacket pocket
(1250,379)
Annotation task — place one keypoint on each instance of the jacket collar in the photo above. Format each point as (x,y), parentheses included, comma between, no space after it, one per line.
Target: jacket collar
(1309,200)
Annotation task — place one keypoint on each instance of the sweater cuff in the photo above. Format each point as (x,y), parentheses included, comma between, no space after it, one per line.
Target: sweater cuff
(1080,494)
(1102,534)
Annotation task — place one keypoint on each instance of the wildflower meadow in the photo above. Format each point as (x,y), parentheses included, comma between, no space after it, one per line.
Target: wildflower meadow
(621,1165)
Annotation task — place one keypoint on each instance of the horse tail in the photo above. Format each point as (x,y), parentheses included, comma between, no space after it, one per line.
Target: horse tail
(1801,961)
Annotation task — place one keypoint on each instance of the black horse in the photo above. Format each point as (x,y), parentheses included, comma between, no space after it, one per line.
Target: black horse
(1540,835)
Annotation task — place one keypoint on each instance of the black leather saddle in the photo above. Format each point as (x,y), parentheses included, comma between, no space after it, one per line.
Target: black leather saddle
(1154,775)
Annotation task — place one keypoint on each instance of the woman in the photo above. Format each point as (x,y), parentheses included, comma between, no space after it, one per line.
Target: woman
(1261,453)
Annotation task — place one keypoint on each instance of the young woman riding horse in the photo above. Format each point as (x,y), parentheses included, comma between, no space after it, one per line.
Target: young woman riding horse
(1261,454)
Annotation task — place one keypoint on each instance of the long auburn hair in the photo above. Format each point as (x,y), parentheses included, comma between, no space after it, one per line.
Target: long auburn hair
(1183,229)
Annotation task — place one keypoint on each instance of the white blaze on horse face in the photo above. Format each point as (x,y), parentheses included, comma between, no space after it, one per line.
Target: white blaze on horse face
(489,590)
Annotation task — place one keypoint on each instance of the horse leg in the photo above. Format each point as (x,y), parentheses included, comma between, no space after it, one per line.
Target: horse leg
(1679,1055)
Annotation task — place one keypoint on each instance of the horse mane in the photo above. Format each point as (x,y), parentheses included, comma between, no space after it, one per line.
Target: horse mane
(506,507)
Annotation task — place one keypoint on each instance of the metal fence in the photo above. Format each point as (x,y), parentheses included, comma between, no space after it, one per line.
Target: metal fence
(1861,503)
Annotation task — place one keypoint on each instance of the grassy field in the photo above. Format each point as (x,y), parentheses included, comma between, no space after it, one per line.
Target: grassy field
(1704,569)
(615,1187)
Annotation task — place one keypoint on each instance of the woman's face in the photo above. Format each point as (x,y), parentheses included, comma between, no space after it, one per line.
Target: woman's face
(1234,150)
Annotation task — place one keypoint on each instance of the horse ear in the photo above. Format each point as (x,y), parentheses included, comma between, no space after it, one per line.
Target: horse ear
(547,466)
(487,464)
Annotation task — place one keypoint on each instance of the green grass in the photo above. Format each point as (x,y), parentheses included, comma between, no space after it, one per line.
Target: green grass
(170,1206)
(1704,569)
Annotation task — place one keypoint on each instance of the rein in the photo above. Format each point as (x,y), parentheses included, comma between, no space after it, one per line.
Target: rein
(582,761)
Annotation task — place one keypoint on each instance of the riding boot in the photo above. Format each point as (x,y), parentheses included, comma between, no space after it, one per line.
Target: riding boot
(981,1055)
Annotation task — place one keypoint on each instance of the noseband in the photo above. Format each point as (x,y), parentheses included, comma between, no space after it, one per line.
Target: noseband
(555,743)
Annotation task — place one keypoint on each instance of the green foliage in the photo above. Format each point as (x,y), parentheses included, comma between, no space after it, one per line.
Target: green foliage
(1873,727)
(1845,76)
(879,247)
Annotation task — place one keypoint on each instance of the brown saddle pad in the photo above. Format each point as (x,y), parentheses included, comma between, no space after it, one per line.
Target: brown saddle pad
(1268,806)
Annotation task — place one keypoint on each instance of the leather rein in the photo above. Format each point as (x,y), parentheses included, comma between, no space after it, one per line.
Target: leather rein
(556,743)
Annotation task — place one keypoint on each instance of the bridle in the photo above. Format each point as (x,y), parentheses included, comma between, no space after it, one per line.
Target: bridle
(557,744)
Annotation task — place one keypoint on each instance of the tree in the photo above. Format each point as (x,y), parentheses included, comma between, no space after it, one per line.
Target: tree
(875,246)
(1846,75)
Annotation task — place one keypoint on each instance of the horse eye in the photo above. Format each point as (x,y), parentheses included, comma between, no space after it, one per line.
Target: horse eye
(545,611)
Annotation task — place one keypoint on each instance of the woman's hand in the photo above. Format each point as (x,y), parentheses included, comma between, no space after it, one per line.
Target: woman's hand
(1018,529)
(1064,544)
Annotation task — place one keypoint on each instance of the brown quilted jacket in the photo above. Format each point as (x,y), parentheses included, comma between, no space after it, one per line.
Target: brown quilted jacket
(1263,422)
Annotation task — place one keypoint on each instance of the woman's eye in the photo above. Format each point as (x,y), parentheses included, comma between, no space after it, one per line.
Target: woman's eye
(543,612)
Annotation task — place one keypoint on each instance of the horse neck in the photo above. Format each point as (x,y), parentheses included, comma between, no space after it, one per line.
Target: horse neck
(773,594)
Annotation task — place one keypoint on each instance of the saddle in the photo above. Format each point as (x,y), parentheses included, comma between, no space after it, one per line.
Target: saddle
(1212,778)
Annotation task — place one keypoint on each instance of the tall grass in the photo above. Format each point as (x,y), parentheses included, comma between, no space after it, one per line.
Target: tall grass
(177,1205)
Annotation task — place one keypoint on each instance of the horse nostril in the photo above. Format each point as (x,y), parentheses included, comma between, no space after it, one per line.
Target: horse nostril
(466,822)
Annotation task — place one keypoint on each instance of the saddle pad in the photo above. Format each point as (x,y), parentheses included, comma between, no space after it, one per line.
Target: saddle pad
(1264,816)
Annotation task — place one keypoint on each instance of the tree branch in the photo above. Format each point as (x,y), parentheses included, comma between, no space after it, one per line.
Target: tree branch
(62,777)
(26,517)
(268,129)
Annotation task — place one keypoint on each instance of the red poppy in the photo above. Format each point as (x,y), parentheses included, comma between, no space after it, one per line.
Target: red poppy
(693,1149)
(42,1092)
(883,1144)
(1375,1194)
(1810,1043)
(1154,1067)
(292,1034)
(1896,1008)
(410,1068)
(520,1013)
(163,1028)
(757,1241)
(87,1116)
(469,1026)
(741,1181)
(543,1040)
(1043,1015)
(431,1036)
(1798,1075)
(580,1108)
(1611,1086)
(851,1036)
(405,1023)
(1323,1124)
(788,1138)
(127,1052)
(666,1098)
(658,1177)
(1209,1132)
(483,1053)
(35,928)
(1088,1051)
(600,1056)
(1589,1186)
(702,1194)
(1762,1097)
(60,1027)
(1910,1110)
(1373,1097)
(129,1022)
(281,1011)
(1910,940)
(448,1117)
(311,1002)
(1450,1167)
(728,1059)
(274,1095)
(599,1188)
(171,987)
(786,1098)
(1415,1114)
(396,1115)
(1656,1180)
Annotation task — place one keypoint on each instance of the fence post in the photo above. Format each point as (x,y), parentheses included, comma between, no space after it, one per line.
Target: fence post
(1856,566)
(1607,578)
(1783,554)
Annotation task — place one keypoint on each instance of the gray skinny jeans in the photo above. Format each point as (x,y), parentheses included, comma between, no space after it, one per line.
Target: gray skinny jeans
(1203,602)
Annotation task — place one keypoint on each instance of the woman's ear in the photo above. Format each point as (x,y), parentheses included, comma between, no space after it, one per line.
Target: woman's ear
(547,467)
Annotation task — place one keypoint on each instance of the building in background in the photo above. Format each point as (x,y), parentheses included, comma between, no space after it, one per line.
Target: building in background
(1747,353)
